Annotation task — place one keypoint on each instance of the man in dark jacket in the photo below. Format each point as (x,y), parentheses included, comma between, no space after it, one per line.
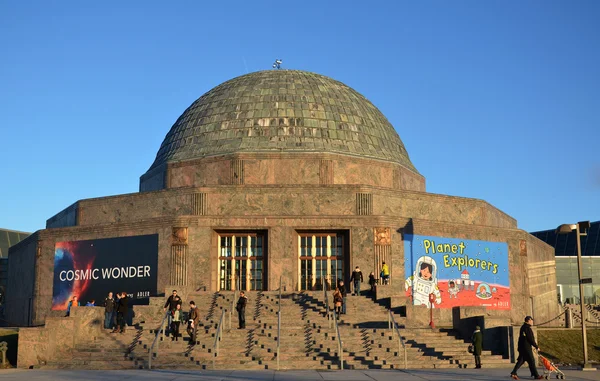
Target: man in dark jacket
(172,303)
(526,342)
(357,279)
(477,341)
(193,320)
(109,310)
(122,310)
(342,288)
(241,309)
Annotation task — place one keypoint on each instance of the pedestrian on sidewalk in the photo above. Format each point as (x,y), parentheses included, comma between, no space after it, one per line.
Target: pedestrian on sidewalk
(357,279)
(109,310)
(477,340)
(526,342)
(175,322)
(193,319)
(241,309)
(171,304)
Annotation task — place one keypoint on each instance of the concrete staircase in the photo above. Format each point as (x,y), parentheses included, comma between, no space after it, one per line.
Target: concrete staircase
(308,341)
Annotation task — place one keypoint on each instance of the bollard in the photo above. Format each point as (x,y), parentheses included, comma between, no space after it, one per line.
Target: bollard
(3,349)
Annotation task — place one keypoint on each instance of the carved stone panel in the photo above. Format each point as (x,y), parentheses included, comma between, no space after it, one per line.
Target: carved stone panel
(179,236)
(382,237)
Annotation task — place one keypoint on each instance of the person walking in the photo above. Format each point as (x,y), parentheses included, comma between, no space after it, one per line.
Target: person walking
(372,282)
(122,311)
(344,293)
(109,310)
(241,309)
(526,342)
(357,279)
(385,273)
(171,304)
(175,322)
(477,340)
(193,319)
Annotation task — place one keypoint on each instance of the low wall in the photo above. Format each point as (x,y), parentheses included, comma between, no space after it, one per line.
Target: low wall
(55,340)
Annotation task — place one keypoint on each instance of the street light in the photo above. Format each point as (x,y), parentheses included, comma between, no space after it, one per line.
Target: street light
(581,229)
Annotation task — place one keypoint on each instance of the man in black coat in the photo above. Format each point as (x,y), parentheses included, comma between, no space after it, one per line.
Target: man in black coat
(122,310)
(526,342)
(357,279)
(241,309)
(172,303)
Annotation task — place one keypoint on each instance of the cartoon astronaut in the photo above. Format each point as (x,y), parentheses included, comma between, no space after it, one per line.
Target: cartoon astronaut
(453,289)
(424,282)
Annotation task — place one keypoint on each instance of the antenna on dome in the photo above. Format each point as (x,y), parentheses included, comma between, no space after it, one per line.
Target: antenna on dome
(277,64)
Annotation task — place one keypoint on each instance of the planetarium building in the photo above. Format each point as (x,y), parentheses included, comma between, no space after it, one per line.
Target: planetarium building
(287,178)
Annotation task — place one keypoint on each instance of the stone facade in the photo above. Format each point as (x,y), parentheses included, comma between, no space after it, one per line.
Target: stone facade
(371,200)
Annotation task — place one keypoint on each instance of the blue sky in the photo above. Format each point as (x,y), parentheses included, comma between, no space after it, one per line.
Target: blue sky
(497,100)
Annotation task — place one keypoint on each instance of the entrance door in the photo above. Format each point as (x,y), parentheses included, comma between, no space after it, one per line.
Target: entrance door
(241,261)
(321,260)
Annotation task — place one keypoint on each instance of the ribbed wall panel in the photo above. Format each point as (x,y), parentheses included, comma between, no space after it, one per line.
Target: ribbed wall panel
(179,262)
(364,204)
(199,204)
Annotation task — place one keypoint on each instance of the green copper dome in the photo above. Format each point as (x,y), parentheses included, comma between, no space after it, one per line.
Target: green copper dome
(282,110)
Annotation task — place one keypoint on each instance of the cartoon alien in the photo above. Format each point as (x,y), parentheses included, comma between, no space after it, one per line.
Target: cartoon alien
(424,282)
(453,289)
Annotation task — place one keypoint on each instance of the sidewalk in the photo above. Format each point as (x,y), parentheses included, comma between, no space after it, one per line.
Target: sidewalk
(271,375)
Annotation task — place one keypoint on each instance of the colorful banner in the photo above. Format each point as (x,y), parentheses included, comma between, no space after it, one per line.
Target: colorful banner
(91,269)
(448,272)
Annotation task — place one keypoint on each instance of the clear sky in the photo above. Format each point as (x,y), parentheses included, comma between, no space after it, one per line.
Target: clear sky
(497,100)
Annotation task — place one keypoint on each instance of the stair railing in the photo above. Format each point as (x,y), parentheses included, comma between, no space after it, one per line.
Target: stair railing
(233,302)
(279,325)
(327,310)
(160,330)
(401,344)
(339,340)
(218,335)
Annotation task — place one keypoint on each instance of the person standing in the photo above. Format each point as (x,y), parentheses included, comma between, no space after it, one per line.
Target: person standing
(337,302)
(372,282)
(72,302)
(122,310)
(526,342)
(357,279)
(175,322)
(241,309)
(193,319)
(344,293)
(385,273)
(109,310)
(171,304)
(477,340)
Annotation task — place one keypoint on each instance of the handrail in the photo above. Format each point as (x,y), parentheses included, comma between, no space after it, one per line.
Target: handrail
(279,325)
(339,340)
(327,310)
(392,323)
(218,338)
(161,328)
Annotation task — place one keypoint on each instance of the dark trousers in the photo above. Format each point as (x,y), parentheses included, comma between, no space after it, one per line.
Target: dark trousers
(242,318)
(525,355)
(175,328)
(120,321)
(477,361)
(192,332)
(357,287)
(108,319)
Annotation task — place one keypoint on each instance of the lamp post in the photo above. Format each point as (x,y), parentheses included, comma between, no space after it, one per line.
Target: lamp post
(580,229)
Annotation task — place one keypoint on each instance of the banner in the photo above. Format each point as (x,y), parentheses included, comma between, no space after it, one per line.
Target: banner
(93,268)
(456,272)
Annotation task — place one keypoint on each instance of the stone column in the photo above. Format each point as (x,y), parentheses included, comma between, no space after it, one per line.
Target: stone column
(179,256)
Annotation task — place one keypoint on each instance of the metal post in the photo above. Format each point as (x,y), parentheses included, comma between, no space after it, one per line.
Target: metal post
(579,270)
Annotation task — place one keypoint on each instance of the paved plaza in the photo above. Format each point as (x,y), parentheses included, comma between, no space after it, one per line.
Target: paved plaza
(271,375)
